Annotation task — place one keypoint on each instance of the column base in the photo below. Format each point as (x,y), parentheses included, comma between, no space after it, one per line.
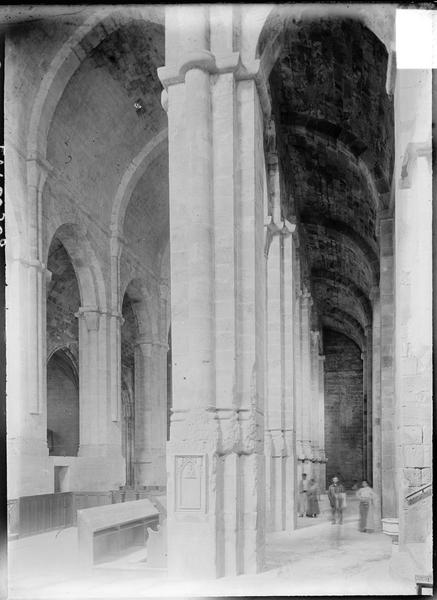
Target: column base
(215,497)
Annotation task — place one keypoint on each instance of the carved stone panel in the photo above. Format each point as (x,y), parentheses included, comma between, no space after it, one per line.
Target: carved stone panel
(190,478)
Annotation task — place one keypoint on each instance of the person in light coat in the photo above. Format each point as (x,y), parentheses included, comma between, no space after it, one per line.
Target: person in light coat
(367,498)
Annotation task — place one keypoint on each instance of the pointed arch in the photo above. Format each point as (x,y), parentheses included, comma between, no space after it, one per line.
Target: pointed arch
(85,263)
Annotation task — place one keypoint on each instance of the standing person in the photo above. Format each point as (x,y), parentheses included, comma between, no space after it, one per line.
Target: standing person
(313,499)
(367,499)
(337,500)
(302,504)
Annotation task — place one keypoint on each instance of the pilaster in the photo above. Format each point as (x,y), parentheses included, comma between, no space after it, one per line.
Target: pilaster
(376,404)
(26,378)
(100,465)
(389,490)
(306,405)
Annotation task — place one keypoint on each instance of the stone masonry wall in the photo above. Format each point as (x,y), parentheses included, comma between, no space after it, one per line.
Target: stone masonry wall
(343,407)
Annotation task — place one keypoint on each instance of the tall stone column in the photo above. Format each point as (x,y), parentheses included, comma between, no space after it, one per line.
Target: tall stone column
(100,465)
(29,470)
(275,408)
(215,459)
(367,373)
(414,307)
(297,363)
(388,456)
(306,405)
(280,428)
(315,411)
(143,385)
(322,482)
(150,412)
(364,413)
(288,295)
(376,404)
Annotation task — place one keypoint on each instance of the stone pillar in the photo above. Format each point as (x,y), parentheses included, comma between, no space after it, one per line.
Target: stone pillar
(29,469)
(364,413)
(150,412)
(275,408)
(280,428)
(306,405)
(297,384)
(376,404)
(288,295)
(215,459)
(367,373)
(100,465)
(322,422)
(315,411)
(143,386)
(388,450)
(413,285)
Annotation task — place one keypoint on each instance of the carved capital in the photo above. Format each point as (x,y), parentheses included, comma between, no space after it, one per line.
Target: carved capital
(272,229)
(206,61)
(306,299)
(289,228)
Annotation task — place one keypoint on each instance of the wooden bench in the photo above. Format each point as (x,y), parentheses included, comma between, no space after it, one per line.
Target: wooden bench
(423,581)
(105,531)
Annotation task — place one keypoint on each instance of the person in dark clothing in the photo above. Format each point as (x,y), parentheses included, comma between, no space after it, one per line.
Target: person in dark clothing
(337,500)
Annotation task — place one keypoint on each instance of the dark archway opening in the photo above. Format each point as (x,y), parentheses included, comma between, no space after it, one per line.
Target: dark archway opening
(62,405)
(343,408)
(129,333)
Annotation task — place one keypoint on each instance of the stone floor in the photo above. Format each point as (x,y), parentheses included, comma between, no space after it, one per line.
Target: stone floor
(317,559)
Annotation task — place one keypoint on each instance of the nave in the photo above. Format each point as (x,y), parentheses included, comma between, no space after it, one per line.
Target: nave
(316,559)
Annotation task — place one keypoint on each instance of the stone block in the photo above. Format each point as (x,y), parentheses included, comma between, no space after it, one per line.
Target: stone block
(413,456)
(409,366)
(413,476)
(426,475)
(427,455)
(411,434)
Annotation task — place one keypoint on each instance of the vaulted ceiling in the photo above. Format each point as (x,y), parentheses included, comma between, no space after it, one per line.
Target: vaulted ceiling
(334,131)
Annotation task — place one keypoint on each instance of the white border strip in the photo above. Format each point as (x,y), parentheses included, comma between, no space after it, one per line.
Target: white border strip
(416,39)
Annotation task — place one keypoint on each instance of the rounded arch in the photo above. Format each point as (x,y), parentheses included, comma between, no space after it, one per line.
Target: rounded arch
(380,21)
(68,59)
(86,266)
